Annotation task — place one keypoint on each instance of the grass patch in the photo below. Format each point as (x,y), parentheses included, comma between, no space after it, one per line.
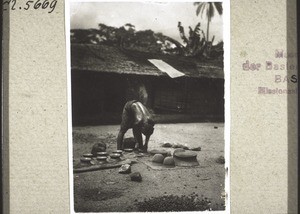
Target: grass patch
(174,203)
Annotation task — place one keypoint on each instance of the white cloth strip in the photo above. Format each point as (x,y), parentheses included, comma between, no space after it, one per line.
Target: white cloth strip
(165,67)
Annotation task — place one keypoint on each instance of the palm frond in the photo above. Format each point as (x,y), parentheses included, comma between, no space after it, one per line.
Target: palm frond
(210,11)
(198,10)
(200,6)
(203,8)
(219,7)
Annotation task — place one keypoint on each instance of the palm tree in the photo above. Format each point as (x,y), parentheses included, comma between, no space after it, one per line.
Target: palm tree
(209,9)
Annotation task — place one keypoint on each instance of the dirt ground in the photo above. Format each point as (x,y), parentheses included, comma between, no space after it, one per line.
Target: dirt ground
(109,191)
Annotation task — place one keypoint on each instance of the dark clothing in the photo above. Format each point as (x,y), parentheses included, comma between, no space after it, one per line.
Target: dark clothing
(136,116)
(127,116)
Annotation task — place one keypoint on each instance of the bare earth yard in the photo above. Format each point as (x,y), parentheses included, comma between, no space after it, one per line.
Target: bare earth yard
(109,191)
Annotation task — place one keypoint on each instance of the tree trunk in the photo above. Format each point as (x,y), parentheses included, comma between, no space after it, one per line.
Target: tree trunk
(207,33)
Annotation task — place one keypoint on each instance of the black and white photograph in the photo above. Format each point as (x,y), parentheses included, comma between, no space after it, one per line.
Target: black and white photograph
(147,92)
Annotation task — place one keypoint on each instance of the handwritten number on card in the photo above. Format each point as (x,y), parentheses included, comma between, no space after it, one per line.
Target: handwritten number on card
(45,4)
(31,4)
(52,6)
(27,4)
(37,4)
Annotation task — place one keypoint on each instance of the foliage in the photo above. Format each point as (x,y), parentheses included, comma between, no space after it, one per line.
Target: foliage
(127,37)
(198,44)
(208,8)
(195,44)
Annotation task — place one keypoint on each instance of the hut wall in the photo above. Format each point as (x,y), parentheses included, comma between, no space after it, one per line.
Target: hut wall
(190,96)
(170,96)
(206,97)
(98,98)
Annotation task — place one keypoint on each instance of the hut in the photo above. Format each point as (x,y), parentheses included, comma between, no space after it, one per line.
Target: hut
(105,77)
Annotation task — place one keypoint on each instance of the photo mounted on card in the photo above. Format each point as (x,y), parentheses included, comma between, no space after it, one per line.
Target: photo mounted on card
(148,106)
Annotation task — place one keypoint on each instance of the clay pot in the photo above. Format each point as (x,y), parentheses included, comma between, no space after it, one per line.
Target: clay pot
(158,158)
(118,152)
(115,156)
(85,160)
(186,158)
(169,161)
(88,155)
(186,155)
(101,158)
(178,150)
(102,154)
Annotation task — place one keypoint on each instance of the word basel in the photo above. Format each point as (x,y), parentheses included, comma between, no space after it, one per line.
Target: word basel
(269,65)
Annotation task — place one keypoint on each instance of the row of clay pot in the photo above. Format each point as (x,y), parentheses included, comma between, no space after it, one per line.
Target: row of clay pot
(101,156)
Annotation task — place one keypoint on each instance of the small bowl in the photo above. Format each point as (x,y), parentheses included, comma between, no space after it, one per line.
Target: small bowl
(118,152)
(101,158)
(102,154)
(85,160)
(115,155)
(88,155)
(128,150)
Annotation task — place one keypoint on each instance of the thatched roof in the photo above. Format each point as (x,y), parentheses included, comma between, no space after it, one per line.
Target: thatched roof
(104,58)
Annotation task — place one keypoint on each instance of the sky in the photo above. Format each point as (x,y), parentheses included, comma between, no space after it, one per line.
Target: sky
(160,17)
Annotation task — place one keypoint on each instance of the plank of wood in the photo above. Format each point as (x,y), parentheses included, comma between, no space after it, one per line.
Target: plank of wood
(102,167)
